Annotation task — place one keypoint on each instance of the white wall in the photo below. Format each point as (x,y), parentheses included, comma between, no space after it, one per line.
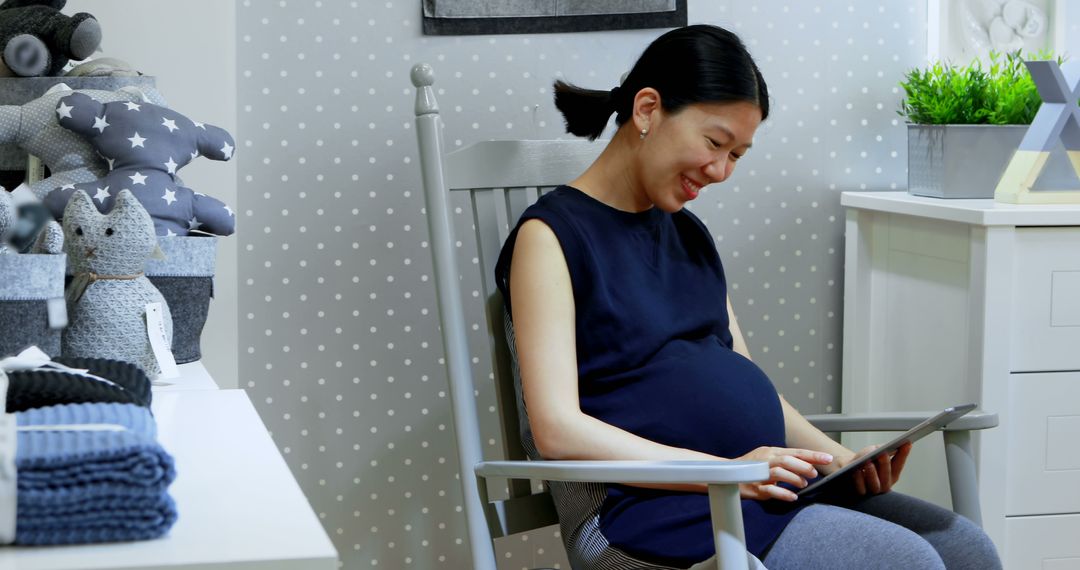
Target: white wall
(339,342)
(190,47)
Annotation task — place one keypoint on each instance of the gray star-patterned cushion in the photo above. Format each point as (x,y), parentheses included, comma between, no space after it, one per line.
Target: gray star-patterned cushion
(144,146)
(33,128)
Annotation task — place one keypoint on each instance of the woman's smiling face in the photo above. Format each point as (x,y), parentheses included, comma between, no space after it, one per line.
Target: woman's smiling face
(694,147)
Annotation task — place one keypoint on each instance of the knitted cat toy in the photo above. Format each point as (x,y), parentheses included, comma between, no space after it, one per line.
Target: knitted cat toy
(108,297)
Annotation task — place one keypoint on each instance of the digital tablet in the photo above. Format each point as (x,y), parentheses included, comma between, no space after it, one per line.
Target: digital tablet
(914,434)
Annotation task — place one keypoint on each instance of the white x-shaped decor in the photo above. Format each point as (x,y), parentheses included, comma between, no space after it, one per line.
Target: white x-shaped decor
(1057,119)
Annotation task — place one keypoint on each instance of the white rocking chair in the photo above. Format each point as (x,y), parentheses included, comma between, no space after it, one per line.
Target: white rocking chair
(502,179)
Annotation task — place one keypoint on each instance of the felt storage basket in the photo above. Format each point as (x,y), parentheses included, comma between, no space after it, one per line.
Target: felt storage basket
(186,279)
(32,309)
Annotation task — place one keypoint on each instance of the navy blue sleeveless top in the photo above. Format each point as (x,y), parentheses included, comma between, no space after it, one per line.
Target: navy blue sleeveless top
(655,358)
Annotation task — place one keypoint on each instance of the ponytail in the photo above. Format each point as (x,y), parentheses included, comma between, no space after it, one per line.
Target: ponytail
(586,111)
(694,64)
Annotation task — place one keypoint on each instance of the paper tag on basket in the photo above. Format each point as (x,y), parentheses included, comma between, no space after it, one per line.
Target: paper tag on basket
(33,358)
(57,311)
(8,487)
(159,341)
(35,169)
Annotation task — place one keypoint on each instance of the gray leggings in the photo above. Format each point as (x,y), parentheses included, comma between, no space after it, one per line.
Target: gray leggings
(892,530)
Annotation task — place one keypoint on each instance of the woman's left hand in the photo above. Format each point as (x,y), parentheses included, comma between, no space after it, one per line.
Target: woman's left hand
(879,475)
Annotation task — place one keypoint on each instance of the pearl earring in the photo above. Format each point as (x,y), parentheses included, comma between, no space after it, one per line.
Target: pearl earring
(643,133)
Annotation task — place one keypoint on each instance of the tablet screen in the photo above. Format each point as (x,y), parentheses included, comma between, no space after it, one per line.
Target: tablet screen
(916,433)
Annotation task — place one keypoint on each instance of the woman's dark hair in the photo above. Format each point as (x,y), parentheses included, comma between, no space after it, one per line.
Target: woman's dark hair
(695,64)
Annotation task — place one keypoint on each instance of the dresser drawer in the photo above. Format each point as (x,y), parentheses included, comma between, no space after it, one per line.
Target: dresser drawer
(1042,543)
(1046,312)
(1043,425)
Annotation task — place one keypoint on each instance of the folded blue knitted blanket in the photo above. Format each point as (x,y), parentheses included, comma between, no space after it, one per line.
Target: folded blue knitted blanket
(91,486)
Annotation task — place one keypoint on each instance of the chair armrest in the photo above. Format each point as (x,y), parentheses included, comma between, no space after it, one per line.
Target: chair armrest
(898,421)
(707,472)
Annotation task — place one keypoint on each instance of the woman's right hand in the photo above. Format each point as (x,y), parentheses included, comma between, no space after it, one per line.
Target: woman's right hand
(788,465)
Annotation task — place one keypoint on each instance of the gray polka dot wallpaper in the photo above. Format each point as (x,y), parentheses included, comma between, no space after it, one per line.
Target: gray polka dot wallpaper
(339,341)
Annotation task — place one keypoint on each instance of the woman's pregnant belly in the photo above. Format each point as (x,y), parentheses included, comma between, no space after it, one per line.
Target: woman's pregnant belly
(696,394)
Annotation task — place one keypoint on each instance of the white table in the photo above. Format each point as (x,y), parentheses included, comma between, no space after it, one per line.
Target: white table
(193,376)
(240,507)
(951,301)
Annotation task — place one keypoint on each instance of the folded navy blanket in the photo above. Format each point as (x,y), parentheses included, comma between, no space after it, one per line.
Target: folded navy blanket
(126,374)
(39,388)
(91,486)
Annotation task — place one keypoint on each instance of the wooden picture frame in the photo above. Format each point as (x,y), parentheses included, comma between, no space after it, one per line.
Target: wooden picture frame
(489,17)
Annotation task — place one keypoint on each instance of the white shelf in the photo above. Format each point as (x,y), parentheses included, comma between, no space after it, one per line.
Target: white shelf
(239,505)
(193,376)
(981,212)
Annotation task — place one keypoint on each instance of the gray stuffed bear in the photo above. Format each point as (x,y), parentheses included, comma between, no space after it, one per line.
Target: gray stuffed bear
(34,128)
(108,297)
(145,146)
(36,39)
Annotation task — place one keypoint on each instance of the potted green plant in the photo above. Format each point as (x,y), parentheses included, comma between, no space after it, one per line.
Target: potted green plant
(965,122)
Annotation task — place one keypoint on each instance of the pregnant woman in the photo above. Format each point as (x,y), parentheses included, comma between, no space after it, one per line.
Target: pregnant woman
(628,348)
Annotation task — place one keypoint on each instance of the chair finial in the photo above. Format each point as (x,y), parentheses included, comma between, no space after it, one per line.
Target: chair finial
(423,77)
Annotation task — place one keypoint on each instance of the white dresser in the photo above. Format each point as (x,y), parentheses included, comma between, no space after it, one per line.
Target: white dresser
(951,301)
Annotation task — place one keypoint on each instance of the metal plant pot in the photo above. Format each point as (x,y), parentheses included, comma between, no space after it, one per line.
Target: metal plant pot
(959,161)
(967,161)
